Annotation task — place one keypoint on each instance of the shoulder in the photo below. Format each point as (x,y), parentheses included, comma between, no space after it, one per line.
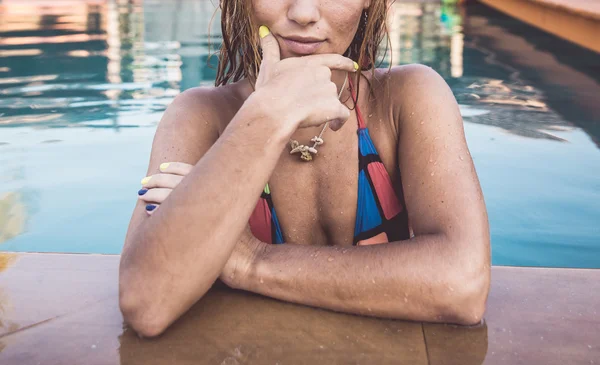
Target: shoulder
(414,89)
(412,75)
(203,109)
(193,122)
(407,82)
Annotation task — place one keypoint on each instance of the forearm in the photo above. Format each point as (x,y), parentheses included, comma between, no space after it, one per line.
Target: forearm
(175,255)
(418,279)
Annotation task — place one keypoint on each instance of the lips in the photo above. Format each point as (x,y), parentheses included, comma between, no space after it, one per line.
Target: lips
(302,45)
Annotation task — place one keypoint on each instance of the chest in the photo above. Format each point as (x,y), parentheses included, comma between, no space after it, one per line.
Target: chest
(316,201)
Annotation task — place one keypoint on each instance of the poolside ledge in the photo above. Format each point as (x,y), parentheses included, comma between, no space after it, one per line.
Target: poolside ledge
(62,309)
(575,20)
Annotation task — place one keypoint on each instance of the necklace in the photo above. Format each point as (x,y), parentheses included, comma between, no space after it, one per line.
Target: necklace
(306,152)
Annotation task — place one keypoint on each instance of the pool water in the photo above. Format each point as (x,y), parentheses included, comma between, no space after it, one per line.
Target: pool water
(83,85)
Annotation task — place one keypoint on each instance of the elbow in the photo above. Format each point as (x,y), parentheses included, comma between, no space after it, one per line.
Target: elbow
(141,313)
(467,304)
(140,317)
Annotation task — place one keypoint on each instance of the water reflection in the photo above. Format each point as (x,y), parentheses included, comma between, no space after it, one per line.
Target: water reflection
(553,83)
(6,261)
(13,215)
(86,61)
(57,55)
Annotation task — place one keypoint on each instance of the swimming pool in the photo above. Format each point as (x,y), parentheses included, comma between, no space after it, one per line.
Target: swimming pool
(83,85)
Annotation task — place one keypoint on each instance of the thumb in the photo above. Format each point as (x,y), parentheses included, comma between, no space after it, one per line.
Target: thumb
(270,47)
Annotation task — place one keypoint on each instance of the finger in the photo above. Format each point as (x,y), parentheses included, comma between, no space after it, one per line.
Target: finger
(161,181)
(270,47)
(341,116)
(332,60)
(177,168)
(151,208)
(156,195)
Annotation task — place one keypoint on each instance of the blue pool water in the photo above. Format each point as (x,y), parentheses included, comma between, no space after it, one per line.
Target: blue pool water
(83,85)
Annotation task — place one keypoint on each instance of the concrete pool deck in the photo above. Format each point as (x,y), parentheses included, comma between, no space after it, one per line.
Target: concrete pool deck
(575,20)
(63,309)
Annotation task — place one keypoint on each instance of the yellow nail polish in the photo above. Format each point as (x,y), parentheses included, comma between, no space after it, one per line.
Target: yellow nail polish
(146,179)
(263,31)
(163,166)
(355,66)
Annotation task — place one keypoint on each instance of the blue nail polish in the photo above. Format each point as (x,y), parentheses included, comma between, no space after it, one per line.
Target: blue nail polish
(150,207)
(142,192)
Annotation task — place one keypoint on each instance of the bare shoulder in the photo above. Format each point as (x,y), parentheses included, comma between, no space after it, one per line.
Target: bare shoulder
(201,108)
(192,123)
(413,77)
(414,89)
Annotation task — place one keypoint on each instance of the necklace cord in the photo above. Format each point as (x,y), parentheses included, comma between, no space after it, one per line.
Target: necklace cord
(305,151)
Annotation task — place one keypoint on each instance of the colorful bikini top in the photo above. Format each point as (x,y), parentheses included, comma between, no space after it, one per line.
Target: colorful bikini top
(380,213)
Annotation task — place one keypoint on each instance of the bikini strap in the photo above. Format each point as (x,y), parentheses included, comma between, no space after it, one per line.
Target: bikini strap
(361,122)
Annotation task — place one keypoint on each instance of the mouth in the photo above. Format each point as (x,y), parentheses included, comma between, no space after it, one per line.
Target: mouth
(302,45)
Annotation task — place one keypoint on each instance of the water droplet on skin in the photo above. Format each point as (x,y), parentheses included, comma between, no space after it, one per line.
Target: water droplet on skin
(262,281)
(433,173)
(330,259)
(373,281)
(345,250)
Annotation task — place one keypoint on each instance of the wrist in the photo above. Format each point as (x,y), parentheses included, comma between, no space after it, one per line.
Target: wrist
(255,264)
(274,114)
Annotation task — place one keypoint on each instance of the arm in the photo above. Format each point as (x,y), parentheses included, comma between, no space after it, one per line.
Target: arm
(443,273)
(172,257)
(164,267)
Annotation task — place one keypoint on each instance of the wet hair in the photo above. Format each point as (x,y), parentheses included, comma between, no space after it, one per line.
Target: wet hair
(240,56)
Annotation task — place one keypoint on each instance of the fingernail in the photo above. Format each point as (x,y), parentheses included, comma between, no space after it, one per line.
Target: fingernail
(142,191)
(146,179)
(355,66)
(150,207)
(163,166)
(263,31)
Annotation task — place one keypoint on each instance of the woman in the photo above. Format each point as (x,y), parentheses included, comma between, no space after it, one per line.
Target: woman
(244,170)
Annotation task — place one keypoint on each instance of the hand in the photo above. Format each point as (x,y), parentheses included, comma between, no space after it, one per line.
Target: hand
(156,188)
(301,87)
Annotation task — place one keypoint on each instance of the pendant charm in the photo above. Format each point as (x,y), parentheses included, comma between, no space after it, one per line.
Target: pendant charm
(306,152)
